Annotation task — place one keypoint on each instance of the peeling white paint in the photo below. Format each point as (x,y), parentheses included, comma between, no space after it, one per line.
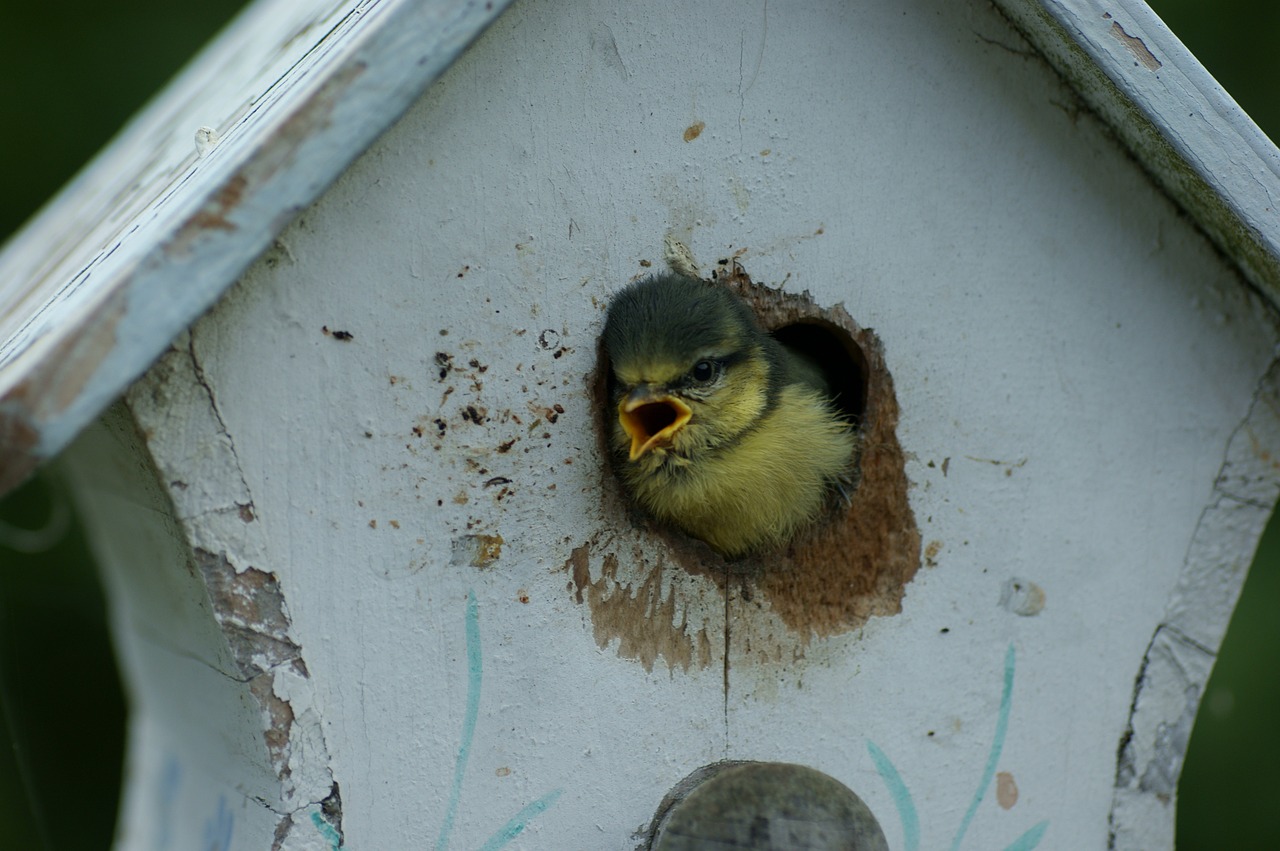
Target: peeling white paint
(1176,668)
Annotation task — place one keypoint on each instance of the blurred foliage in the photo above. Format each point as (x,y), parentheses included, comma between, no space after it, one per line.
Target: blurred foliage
(1229,781)
(62,713)
(71,73)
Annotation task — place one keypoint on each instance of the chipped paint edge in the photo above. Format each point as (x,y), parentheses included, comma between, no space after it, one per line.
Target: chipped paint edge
(1179,659)
(1194,140)
(382,67)
(175,410)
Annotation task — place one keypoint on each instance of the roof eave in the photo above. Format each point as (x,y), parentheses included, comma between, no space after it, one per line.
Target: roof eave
(1194,140)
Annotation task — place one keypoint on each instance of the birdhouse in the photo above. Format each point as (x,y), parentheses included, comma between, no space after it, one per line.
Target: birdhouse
(317,340)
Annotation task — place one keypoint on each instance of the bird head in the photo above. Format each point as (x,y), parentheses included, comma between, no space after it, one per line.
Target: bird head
(691,369)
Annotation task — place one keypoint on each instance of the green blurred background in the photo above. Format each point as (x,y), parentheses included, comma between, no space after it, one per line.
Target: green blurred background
(71,73)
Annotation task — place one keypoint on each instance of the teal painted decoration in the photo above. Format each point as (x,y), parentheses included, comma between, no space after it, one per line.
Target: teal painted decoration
(906,805)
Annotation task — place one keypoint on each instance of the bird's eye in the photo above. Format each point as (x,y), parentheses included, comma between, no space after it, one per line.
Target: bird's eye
(703,371)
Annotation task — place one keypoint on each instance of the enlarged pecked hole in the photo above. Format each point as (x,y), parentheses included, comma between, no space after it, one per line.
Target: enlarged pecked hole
(858,562)
(853,563)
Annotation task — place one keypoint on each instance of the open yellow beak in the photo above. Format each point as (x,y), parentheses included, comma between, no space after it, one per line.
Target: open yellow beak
(651,421)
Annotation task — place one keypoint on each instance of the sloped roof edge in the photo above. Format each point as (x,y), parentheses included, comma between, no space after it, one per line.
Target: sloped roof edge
(150,234)
(1197,143)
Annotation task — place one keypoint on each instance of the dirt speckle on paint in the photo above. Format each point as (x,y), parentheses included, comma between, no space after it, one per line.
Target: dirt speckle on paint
(931,551)
(477,550)
(1022,597)
(579,567)
(444,363)
(1006,790)
(694,130)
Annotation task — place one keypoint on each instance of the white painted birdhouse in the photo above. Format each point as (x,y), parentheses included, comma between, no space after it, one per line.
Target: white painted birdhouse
(316,340)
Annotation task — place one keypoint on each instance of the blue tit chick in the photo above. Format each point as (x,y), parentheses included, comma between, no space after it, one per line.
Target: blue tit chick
(716,427)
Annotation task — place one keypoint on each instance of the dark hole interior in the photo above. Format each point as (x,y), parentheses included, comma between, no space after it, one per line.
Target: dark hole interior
(841,360)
